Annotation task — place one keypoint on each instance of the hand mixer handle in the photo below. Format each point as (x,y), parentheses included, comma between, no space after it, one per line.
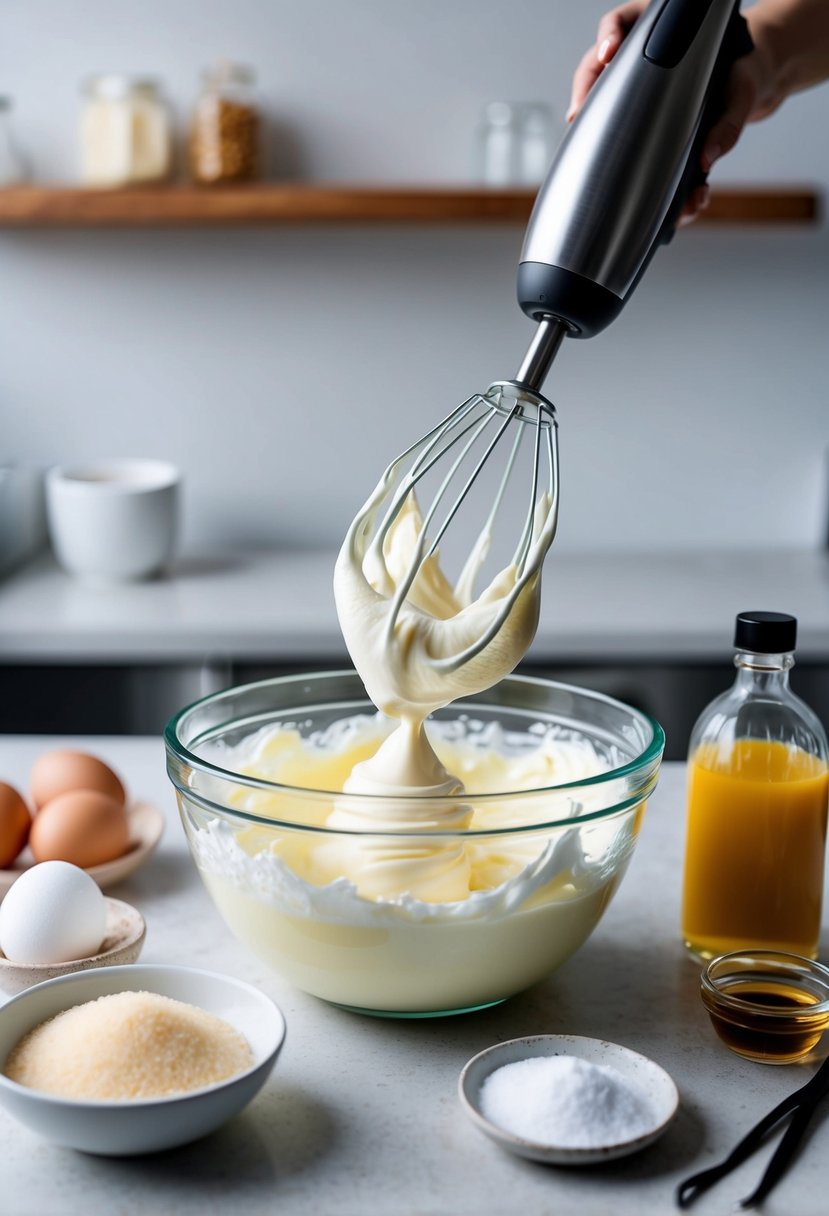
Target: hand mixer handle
(628,163)
(736,43)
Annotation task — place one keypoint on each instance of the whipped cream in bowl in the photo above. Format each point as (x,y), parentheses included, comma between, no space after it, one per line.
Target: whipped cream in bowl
(482,865)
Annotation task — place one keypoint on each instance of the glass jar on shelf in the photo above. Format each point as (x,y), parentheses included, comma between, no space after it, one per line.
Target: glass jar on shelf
(225,138)
(13,168)
(126,132)
(536,142)
(498,145)
(514,143)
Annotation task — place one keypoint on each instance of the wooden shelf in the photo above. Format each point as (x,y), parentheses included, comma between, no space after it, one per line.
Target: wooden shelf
(296,203)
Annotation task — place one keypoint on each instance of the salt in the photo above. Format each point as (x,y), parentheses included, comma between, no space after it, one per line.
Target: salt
(567,1102)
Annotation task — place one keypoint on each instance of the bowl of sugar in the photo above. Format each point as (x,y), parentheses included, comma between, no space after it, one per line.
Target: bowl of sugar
(129,1060)
(566,1099)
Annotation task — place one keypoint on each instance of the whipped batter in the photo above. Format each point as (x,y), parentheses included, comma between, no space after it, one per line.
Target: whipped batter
(416,663)
(308,905)
(413,659)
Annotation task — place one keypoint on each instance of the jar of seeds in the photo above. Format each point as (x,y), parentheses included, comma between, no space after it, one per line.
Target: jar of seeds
(226,131)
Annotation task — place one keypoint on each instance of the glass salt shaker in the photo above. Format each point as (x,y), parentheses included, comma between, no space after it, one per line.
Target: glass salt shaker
(226,130)
(498,144)
(535,142)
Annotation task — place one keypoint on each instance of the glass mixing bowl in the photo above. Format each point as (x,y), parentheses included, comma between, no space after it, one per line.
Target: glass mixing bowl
(544,861)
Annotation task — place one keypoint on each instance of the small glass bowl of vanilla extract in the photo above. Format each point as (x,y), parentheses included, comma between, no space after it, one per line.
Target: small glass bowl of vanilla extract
(767,1005)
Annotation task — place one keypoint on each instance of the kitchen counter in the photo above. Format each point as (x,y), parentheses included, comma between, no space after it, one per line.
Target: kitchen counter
(279,606)
(361,1116)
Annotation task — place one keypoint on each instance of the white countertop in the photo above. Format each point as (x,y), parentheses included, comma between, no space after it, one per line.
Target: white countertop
(361,1116)
(279,606)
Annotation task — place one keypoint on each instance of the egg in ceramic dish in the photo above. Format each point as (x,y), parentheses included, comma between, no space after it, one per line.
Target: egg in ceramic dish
(53,913)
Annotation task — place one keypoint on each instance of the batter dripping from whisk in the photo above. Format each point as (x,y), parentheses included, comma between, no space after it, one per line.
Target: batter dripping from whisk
(418,643)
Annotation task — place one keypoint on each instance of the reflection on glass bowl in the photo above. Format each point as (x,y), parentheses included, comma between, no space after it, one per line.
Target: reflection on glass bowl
(361,917)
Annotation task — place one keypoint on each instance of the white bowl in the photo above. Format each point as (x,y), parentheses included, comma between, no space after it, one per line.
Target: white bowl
(113,520)
(148,1125)
(646,1074)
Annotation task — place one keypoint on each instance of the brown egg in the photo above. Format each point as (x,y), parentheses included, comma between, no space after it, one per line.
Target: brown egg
(58,772)
(85,827)
(15,822)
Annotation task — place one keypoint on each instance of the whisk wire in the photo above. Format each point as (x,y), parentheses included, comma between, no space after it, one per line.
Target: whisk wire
(546,424)
(431,438)
(504,403)
(550,430)
(523,549)
(427,442)
(473,476)
(480,549)
(418,558)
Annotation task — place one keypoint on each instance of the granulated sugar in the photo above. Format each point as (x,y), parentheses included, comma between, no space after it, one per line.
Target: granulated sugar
(128,1045)
(567,1102)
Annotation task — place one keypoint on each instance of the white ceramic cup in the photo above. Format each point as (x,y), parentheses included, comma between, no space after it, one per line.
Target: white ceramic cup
(113,520)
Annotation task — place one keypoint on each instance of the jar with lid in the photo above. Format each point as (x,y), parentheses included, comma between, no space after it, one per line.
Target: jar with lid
(226,130)
(126,135)
(515,143)
(536,137)
(498,144)
(758,781)
(13,168)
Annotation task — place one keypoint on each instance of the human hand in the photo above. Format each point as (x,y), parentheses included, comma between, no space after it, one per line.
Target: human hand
(614,27)
(748,93)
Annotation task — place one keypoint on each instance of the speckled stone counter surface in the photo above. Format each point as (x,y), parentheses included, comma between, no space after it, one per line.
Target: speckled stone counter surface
(361,1116)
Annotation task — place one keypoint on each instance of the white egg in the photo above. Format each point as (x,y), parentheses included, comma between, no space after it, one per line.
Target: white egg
(53,913)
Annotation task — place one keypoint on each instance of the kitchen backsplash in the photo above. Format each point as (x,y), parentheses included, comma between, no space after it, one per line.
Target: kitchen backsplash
(281,368)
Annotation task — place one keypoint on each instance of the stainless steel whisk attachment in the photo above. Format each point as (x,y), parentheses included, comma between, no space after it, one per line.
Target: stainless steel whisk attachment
(510,412)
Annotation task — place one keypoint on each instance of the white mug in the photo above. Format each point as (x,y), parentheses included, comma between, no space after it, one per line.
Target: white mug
(113,520)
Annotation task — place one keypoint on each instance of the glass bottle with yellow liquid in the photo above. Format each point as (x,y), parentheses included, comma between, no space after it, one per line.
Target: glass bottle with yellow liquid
(758,783)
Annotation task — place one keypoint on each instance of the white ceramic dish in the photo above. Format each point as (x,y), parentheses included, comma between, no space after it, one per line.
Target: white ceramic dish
(125,933)
(146,826)
(657,1084)
(113,520)
(147,1126)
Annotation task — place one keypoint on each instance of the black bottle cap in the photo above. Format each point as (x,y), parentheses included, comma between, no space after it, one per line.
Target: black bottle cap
(765,632)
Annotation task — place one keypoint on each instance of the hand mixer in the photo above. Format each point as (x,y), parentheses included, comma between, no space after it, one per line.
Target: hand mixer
(613,194)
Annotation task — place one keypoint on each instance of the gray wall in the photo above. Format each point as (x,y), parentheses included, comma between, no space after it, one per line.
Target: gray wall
(281,368)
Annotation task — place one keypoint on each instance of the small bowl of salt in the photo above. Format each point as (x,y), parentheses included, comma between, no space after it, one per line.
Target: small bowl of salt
(566,1099)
